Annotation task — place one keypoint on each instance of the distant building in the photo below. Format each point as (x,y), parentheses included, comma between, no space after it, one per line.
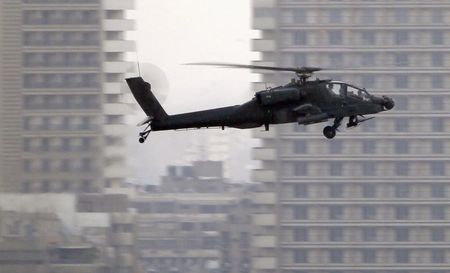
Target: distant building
(89,232)
(61,111)
(194,222)
(35,243)
(375,198)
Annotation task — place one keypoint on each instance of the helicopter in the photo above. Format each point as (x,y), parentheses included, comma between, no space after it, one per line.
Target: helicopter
(302,101)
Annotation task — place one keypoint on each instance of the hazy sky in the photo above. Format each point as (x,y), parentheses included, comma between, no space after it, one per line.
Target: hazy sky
(175,32)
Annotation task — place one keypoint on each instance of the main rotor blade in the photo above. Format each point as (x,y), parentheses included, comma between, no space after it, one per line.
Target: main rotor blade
(299,70)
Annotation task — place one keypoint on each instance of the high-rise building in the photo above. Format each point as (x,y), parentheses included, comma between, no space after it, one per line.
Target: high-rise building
(61,116)
(375,198)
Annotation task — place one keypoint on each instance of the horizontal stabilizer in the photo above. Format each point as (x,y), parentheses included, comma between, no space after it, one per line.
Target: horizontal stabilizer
(145,121)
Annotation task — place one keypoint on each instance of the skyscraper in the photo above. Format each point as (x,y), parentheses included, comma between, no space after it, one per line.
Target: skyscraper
(375,199)
(61,66)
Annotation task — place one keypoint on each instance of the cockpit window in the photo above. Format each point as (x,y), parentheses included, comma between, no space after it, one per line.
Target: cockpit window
(337,88)
(357,92)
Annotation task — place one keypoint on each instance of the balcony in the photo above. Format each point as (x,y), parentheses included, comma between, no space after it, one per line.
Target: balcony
(115,151)
(116,109)
(264,198)
(114,129)
(119,25)
(264,176)
(264,219)
(264,23)
(265,3)
(264,154)
(119,46)
(117,5)
(263,45)
(116,171)
(112,88)
(264,241)
(123,239)
(122,218)
(117,67)
(264,263)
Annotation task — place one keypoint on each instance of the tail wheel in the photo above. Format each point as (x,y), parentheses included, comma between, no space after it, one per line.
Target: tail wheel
(329,132)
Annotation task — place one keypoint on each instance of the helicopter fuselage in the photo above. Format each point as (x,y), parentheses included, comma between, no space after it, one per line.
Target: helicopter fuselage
(301,102)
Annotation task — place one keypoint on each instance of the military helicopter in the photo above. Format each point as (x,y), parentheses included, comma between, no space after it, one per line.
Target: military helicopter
(302,101)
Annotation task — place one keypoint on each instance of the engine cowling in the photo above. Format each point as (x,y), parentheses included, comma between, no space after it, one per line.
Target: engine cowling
(278,96)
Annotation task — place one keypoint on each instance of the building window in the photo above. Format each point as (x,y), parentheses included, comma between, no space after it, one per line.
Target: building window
(369,16)
(438,256)
(300,147)
(300,37)
(300,212)
(336,212)
(369,234)
(368,81)
(335,168)
(401,146)
(335,37)
(264,12)
(300,190)
(368,59)
(402,59)
(438,234)
(402,256)
(401,190)
(438,168)
(335,147)
(369,212)
(336,58)
(401,81)
(335,16)
(437,81)
(437,124)
(368,191)
(336,190)
(437,103)
(300,234)
(401,212)
(401,102)
(300,59)
(437,59)
(438,190)
(369,256)
(438,212)
(300,169)
(369,168)
(300,256)
(335,256)
(300,16)
(401,15)
(437,37)
(368,37)
(401,37)
(402,234)
(336,234)
(401,124)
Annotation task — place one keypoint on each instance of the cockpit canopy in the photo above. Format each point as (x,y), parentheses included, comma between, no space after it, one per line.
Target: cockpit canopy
(343,89)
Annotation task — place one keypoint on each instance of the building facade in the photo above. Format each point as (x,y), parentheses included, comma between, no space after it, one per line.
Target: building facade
(194,222)
(62,65)
(374,199)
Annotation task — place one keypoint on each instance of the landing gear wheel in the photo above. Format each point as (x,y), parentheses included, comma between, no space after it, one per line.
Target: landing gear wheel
(141,140)
(329,132)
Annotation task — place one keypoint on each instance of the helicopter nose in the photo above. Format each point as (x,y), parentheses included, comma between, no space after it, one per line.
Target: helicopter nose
(388,103)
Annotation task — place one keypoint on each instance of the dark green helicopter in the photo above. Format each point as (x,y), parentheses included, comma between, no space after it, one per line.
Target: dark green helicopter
(302,101)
